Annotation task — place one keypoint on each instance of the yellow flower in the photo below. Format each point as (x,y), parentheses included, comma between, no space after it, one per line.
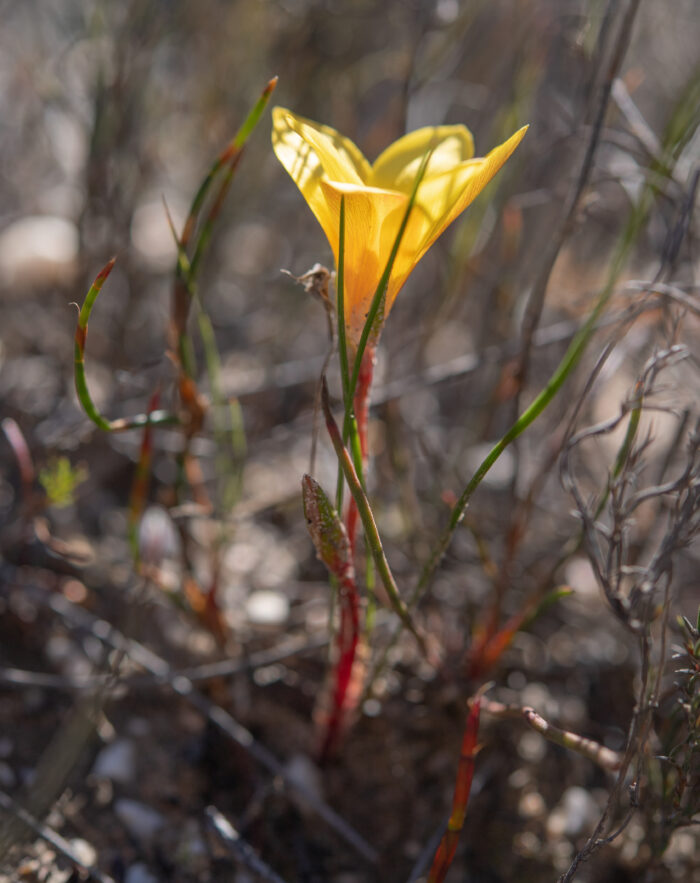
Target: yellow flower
(327,166)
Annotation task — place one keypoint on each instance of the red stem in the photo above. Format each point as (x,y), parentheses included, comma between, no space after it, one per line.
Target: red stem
(348,637)
(347,640)
(465,772)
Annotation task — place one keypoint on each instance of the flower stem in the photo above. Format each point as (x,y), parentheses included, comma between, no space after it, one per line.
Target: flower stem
(368,523)
(361,409)
(465,773)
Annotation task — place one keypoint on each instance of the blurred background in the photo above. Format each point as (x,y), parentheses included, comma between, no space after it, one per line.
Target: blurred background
(110,110)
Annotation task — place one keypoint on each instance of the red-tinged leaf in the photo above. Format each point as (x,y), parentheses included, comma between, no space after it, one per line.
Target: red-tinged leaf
(225,164)
(326,529)
(490,643)
(80,339)
(465,773)
(95,289)
(487,650)
(333,549)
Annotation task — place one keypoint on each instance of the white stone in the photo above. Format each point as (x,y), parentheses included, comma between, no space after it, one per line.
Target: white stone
(267,608)
(85,852)
(38,250)
(139,873)
(302,771)
(116,761)
(581,810)
(576,813)
(580,576)
(158,537)
(140,820)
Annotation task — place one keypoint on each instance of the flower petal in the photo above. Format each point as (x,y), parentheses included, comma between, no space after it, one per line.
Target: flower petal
(440,200)
(443,197)
(310,152)
(372,220)
(397,166)
(342,160)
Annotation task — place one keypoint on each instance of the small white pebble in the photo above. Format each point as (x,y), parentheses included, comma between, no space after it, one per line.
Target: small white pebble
(301,770)
(372,708)
(532,805)
(140,820)
(532,747)
(38,250)
(576,812)
(139,873)
(85,852)
(116,762)
(267,608)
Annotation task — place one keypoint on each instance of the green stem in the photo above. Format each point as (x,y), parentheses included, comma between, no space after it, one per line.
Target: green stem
(340,294)
(371,533)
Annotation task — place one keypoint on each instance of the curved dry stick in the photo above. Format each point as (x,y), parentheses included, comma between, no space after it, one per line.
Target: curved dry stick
(605,757)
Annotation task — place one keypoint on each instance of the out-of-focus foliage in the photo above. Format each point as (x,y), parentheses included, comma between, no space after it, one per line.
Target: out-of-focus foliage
(109,109)
(60,480)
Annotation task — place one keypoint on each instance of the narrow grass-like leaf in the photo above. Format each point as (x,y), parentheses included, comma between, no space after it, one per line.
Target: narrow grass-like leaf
(491,642)
(227,161)
(212,215)
(353,429)
(253,117)
(159,418)
(682,125)
(340,311)
(372,324)
(236,434)
(80,340)
(563,371)
(549,600)
(225,157)
(380,293)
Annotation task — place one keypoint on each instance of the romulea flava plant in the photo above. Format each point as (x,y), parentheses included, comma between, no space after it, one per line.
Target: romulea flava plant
(380,219)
